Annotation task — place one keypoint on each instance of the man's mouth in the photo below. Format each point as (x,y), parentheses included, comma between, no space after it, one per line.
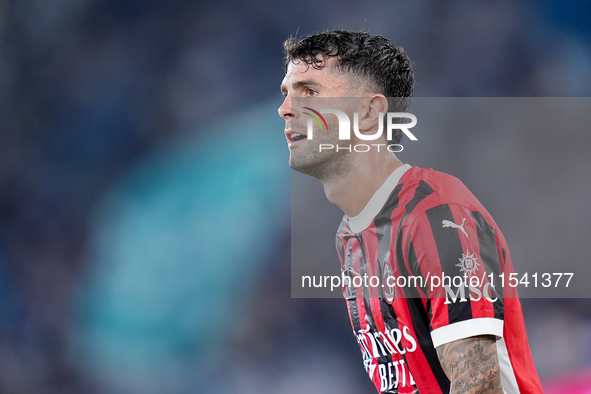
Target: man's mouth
(297,137)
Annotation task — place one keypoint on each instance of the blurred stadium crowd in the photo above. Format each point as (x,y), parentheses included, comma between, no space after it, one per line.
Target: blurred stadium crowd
(144,190)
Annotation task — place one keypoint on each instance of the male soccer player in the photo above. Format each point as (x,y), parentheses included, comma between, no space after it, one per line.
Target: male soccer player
(404,222)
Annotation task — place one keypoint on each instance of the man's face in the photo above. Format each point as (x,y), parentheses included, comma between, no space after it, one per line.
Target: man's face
(303,82)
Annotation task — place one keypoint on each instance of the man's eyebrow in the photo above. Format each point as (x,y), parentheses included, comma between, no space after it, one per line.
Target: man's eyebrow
(305,82)
(299,84)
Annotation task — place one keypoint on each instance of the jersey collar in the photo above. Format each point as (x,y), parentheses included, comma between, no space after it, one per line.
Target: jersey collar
(377,201)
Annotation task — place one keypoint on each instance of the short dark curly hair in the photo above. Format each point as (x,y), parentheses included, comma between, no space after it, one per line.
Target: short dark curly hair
(380,62)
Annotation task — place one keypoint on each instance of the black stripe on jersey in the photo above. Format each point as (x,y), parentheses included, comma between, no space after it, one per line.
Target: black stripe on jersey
(391,204)
(449,249)
(419,318)
(363,272)
(490,259)
(383,224)
(347,268)
(421,192)
(346,261)
(383,357)
(351,300)
(341,249)
(340,244)
(416,271)
(423,333)
(354,313)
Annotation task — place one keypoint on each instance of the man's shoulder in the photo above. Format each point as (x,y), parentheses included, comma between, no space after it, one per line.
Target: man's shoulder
(440,185)
(425,188)
(441,182)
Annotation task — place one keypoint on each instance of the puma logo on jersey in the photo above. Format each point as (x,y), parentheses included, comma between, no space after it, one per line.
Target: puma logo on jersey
(447,223)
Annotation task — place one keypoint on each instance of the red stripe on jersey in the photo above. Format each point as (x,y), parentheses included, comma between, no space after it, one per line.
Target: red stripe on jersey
(430,269)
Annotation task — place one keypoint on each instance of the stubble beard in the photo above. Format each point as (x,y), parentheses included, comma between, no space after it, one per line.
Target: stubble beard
(323,166)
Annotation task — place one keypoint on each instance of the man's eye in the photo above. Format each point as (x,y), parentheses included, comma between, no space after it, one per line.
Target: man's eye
(311,92)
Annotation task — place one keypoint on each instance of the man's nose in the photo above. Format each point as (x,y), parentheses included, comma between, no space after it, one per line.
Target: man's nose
(285,109)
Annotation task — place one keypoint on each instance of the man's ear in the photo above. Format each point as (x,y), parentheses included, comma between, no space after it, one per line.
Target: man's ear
(373,111)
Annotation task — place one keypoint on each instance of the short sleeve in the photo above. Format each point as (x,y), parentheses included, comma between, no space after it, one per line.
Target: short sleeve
(455,250)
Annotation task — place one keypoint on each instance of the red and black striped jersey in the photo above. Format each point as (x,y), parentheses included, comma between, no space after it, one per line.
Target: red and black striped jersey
(423,262)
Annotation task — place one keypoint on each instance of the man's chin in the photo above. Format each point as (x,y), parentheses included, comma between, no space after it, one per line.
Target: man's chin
(295,165)
(303,166)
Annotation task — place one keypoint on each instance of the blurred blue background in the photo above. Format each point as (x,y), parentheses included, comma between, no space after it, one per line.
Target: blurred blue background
(145,192)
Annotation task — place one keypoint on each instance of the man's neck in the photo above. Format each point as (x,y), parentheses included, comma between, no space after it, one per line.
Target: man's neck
(352,192)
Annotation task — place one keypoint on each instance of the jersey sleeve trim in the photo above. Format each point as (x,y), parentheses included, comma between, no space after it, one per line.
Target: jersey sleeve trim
(508,379)
(466,329)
